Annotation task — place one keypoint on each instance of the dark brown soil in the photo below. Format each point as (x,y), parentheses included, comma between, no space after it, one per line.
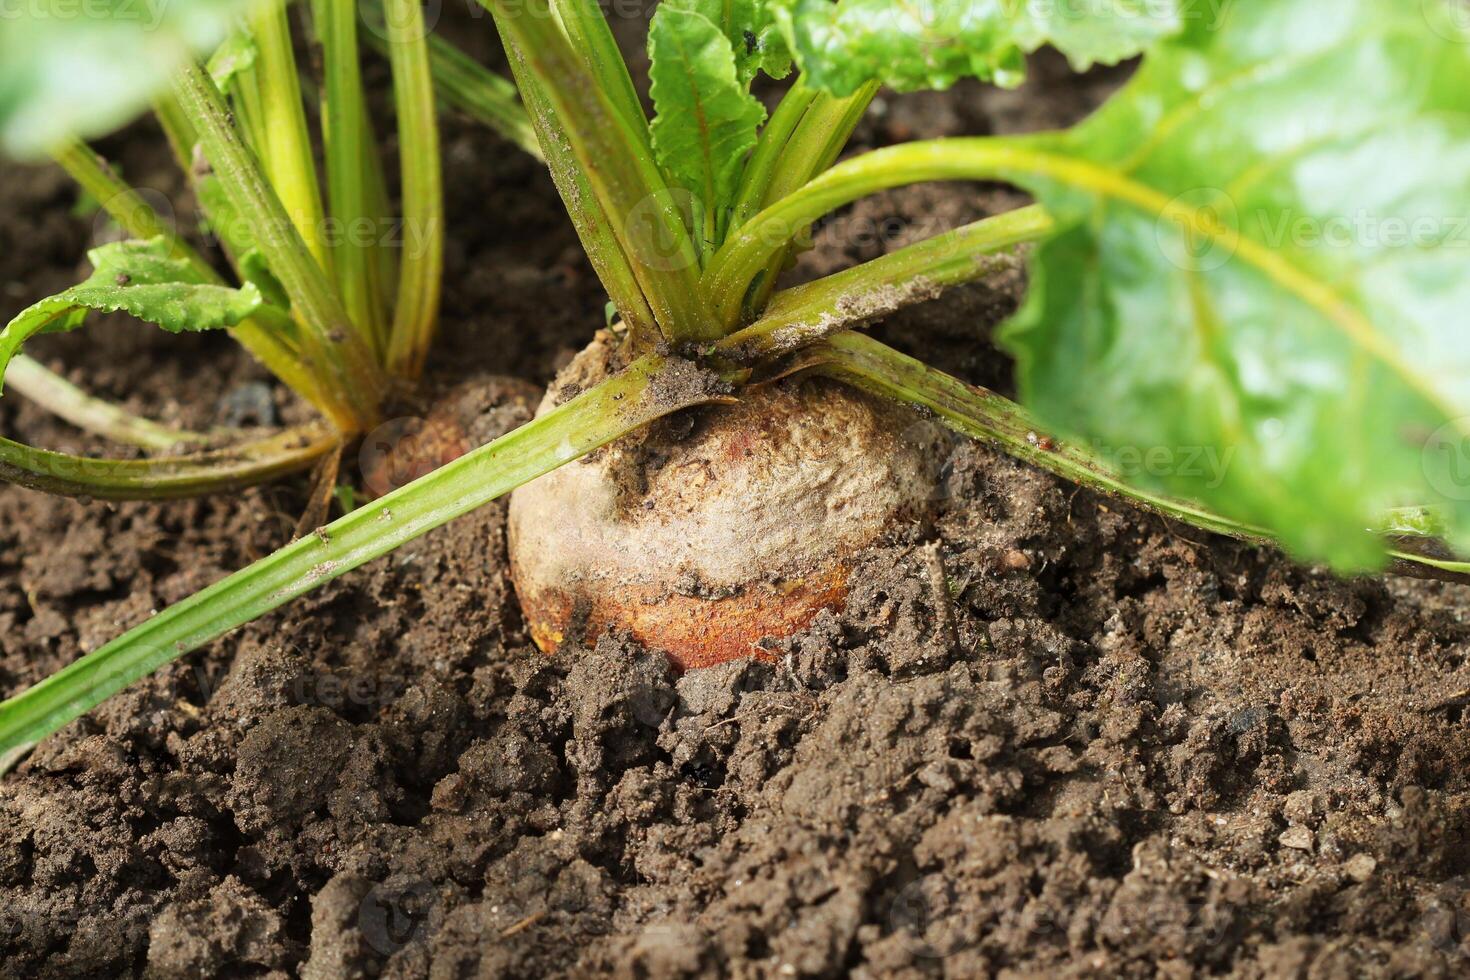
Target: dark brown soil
(1049,737)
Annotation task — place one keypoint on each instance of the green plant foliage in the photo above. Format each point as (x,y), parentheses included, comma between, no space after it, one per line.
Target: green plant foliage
(237,54)
(1262,253)
(931,44)
(233,232)
(754,34)
(139,278)
(705,120)
(71,68)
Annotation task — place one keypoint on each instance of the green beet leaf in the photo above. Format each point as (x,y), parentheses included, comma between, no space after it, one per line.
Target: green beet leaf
(705,120)
(1257,293)
(931,44)
(86,68)
(751,28)
(139,278)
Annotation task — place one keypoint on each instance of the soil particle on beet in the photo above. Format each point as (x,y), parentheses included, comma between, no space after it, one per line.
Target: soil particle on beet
(1092,744)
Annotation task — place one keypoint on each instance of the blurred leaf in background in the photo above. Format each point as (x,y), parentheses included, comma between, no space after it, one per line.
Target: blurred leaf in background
(84,67)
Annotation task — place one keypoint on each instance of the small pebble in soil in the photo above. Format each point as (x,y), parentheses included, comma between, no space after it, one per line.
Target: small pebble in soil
(1299,838)
(1360,867)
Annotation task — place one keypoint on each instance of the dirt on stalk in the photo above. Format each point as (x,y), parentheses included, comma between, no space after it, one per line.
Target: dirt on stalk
(1049,736)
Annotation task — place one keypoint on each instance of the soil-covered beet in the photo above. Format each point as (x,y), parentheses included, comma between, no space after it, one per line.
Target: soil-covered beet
(1048,736)
(714,534)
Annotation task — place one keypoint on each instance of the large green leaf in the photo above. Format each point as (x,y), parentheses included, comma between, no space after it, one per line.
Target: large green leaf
(140,278)
(83,68)
(705,121)
(931,44)
(1258,289)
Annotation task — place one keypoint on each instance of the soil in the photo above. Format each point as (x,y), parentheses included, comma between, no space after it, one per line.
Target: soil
(1049,736)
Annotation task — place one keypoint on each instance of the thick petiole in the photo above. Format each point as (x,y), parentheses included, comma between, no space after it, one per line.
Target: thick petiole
(765,236)
(66,401)
(416,312)
(338,355)
(211,471)
(463,84)
(288,159)
(610,152)
(344,124)
(803,314)
(760,170)
(984,415)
